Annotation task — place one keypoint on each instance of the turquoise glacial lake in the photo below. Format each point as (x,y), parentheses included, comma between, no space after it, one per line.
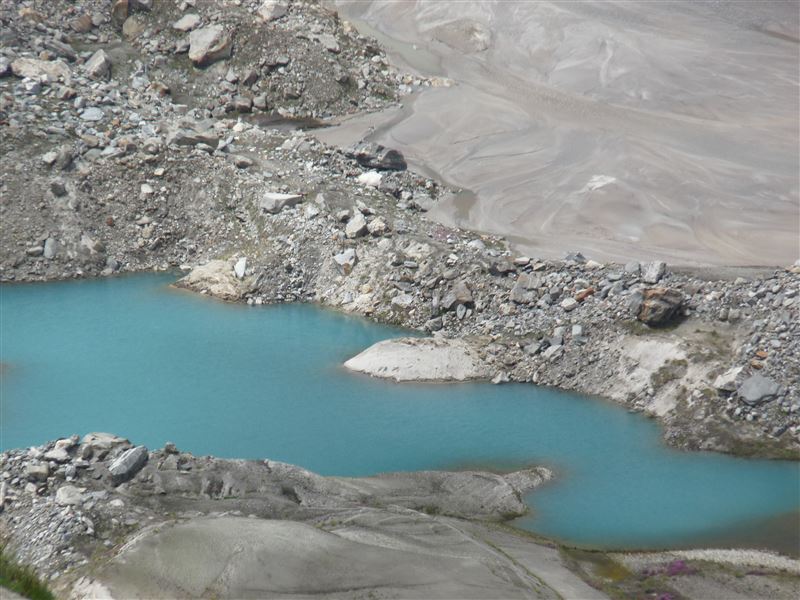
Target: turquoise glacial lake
(135,357)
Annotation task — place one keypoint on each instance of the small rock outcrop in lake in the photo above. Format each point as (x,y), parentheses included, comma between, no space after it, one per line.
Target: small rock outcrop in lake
(420,359)
(217,278)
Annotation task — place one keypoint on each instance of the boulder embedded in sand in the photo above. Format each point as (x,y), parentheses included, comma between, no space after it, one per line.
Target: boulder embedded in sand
(420,359)
(375,156)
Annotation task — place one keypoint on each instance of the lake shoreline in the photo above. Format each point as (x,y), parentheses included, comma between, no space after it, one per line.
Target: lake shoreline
(666,349)
(104,489)
(272,215)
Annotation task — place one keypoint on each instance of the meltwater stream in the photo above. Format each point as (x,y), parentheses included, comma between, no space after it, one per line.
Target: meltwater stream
(135,357)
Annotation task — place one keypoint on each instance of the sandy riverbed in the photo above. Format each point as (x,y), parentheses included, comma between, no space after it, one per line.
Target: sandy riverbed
(655,130)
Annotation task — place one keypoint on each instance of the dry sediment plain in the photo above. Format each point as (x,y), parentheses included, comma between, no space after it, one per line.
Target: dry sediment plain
(639,129)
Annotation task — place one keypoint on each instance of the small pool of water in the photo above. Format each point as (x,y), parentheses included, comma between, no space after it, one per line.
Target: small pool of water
(135,357)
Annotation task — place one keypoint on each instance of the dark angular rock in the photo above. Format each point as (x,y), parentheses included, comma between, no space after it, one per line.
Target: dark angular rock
(127,464)
(758,389)
(192,137)
(460,294)
(58,188)
(502,268)
(659,306)
(576,257)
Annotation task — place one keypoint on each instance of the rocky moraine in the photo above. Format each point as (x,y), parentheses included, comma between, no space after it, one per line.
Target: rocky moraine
(142,135)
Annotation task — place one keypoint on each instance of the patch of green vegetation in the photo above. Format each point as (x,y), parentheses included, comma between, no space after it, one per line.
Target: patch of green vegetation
(21,579)
(714,347)
(611,570)
(635,327)
(767,449)
(599,564)
(430,509)
(671,371)
(611,577)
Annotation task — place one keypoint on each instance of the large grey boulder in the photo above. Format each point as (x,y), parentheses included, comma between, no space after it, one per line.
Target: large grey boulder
(345,261)
(653,272)
(127,464)
(209,44)
(274,202)
(93,114)
(69,495)
(240,268)
(403,301)
(569,304)
(58,454)
(356,227)
(524,290)
(191,137)
(99,65)
(460,293)
(37,471)
(50,248)
(726,382)
(375,156)
(60,48)
(272,9)
(34,68)
(187,22)
(758,389)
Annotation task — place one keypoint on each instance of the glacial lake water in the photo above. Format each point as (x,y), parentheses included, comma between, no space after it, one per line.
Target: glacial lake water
(135,357)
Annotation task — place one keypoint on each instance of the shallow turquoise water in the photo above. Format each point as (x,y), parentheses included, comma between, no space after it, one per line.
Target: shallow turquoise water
(134,357)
